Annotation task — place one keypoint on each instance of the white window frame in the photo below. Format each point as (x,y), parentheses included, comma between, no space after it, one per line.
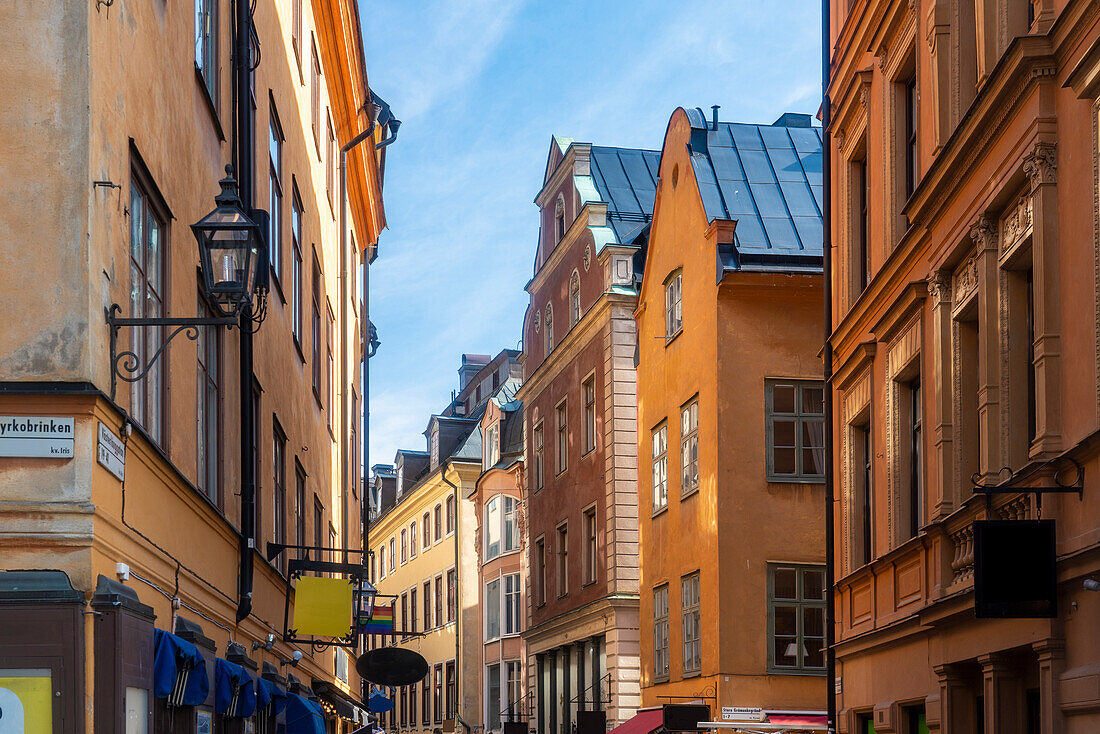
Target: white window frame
(659,452)
(674,304)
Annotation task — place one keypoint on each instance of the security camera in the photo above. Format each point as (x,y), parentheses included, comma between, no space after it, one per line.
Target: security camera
(1092,585)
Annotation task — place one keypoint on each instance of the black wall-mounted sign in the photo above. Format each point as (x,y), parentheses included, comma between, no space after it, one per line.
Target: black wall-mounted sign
(392,666)
(685,716)
(520,727)
(1014,569)
(591,722)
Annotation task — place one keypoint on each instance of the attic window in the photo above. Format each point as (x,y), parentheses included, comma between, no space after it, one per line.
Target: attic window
(559,218)
(435,447)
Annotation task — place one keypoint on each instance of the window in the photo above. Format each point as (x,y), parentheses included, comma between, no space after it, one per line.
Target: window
(590,558)
(539,582)
(426,530)
(404,612)
(865,484)
(492,445)
(318,526)
(559,218)
(426,701)
(589,414)
(796,618)
(412,705)
(206,46)
(413,539)
(438,703)
(574,298)
(660,467)
(492,609)
(257,442)
(660,632)
(208,406)
(315,99)
(342,665)
(428,607)
(438,523)
(452,690)
(514,690)
(540,461)
(501,526)
(148,274)
(393,555)
(382,561)
(275,193)
(674,314)
(563,560)
(300,508)
(916,459)
(296,30)
(278,492)
(450,513)
(562,413)
(861,250)
(689,447)
(404,546)
(549,329)
(909,101)
(435,447)
(330,158)
(331,404)
(493,704)
(413,610)
(297,295)
(689,621)
(511,620)
(795,431)
(316,321)
(451,598)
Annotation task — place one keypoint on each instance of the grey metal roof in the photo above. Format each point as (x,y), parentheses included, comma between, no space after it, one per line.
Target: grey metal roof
(768,179)
(626,179)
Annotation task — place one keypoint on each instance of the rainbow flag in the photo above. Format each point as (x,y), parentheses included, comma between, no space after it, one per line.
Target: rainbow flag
(380,623)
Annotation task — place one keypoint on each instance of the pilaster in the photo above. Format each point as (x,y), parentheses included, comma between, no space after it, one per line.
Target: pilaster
(984,234)
(939,286)
(1002,695)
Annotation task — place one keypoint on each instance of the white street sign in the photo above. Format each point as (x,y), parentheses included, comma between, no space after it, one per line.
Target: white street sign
(36,436)
(741,713)
(111,452)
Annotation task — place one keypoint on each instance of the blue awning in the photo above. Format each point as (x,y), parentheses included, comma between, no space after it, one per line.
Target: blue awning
(303,716)
(234,690)
(267,692)
(378,703)
(179,670)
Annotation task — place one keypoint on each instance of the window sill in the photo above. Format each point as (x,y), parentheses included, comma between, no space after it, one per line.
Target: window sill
(781,479)
(691,492)
(669,338)
(298,348)
(210,106)
(660,679)
(562,596)
(792,671)
(586,584)
(691,674)
(276,282)
(660,511)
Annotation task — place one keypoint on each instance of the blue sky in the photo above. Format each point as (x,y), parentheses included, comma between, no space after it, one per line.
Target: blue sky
(480,87)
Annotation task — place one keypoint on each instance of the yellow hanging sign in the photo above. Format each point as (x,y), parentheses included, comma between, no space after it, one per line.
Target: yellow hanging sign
(322,606)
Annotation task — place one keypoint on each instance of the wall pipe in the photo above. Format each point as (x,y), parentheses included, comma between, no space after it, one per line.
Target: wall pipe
(827,368)
(458,621)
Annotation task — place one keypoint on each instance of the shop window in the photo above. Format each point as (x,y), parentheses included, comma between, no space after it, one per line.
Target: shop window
(796,619)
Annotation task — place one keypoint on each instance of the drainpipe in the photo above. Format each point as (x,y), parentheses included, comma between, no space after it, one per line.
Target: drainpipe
(364,512)
(458,566)
(827,372)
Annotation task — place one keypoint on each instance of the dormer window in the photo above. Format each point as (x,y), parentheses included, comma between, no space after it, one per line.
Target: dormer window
(492,445)
(435,447)
(559,218)
(400,478)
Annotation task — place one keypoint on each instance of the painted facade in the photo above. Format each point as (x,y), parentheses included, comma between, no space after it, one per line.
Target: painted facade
(728,377)
(965,339)
(118,128)
(579,426)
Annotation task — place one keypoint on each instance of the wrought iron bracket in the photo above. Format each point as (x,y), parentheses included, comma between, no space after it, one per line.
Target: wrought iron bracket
(1010,481)
(355,572)
(127,366)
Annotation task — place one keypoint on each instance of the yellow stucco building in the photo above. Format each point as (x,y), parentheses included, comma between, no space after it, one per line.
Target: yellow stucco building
(121,504)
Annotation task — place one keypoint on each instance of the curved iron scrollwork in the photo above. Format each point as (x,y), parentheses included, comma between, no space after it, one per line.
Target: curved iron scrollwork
(1067,475)
(127,365)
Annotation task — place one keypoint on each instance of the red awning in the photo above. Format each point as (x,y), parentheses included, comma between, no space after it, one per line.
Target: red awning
(795,719)
(644,722)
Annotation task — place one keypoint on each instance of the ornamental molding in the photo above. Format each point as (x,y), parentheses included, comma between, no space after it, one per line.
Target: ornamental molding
(1016,225)
(939,287)
(1041,164)
(984,234)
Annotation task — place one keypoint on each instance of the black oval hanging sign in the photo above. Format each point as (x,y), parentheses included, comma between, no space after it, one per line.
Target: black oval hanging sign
(392,666)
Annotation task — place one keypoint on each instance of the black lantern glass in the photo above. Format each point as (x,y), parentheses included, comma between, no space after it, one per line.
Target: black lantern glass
(229,247)
(368,594)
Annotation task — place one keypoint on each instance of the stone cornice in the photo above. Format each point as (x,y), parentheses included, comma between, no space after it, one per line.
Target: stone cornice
(593,214)
(567,167)
(588,613)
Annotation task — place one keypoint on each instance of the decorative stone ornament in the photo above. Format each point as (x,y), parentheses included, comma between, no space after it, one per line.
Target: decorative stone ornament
(538,321)
(587,257)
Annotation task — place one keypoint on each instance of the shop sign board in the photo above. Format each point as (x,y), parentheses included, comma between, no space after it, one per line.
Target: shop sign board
(43,437)
(111,452)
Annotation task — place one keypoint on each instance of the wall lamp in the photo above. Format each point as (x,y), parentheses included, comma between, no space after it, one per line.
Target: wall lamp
(295,658)
(267,644)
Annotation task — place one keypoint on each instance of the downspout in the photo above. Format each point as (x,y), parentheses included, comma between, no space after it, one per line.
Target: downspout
(827,371)
(364,504)
(458,566)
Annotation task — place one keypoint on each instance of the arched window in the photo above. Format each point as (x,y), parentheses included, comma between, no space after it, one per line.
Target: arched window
(549,328)
(559,218)
(574,298)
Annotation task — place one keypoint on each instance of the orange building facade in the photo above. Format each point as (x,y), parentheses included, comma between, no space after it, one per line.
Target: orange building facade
(730,420)
(966,341)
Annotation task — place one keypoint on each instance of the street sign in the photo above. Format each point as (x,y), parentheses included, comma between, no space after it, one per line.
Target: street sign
(111,452)
(735,713)
(41,437)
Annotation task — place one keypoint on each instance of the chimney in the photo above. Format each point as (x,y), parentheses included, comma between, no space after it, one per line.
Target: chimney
(471,365)
(714,116)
